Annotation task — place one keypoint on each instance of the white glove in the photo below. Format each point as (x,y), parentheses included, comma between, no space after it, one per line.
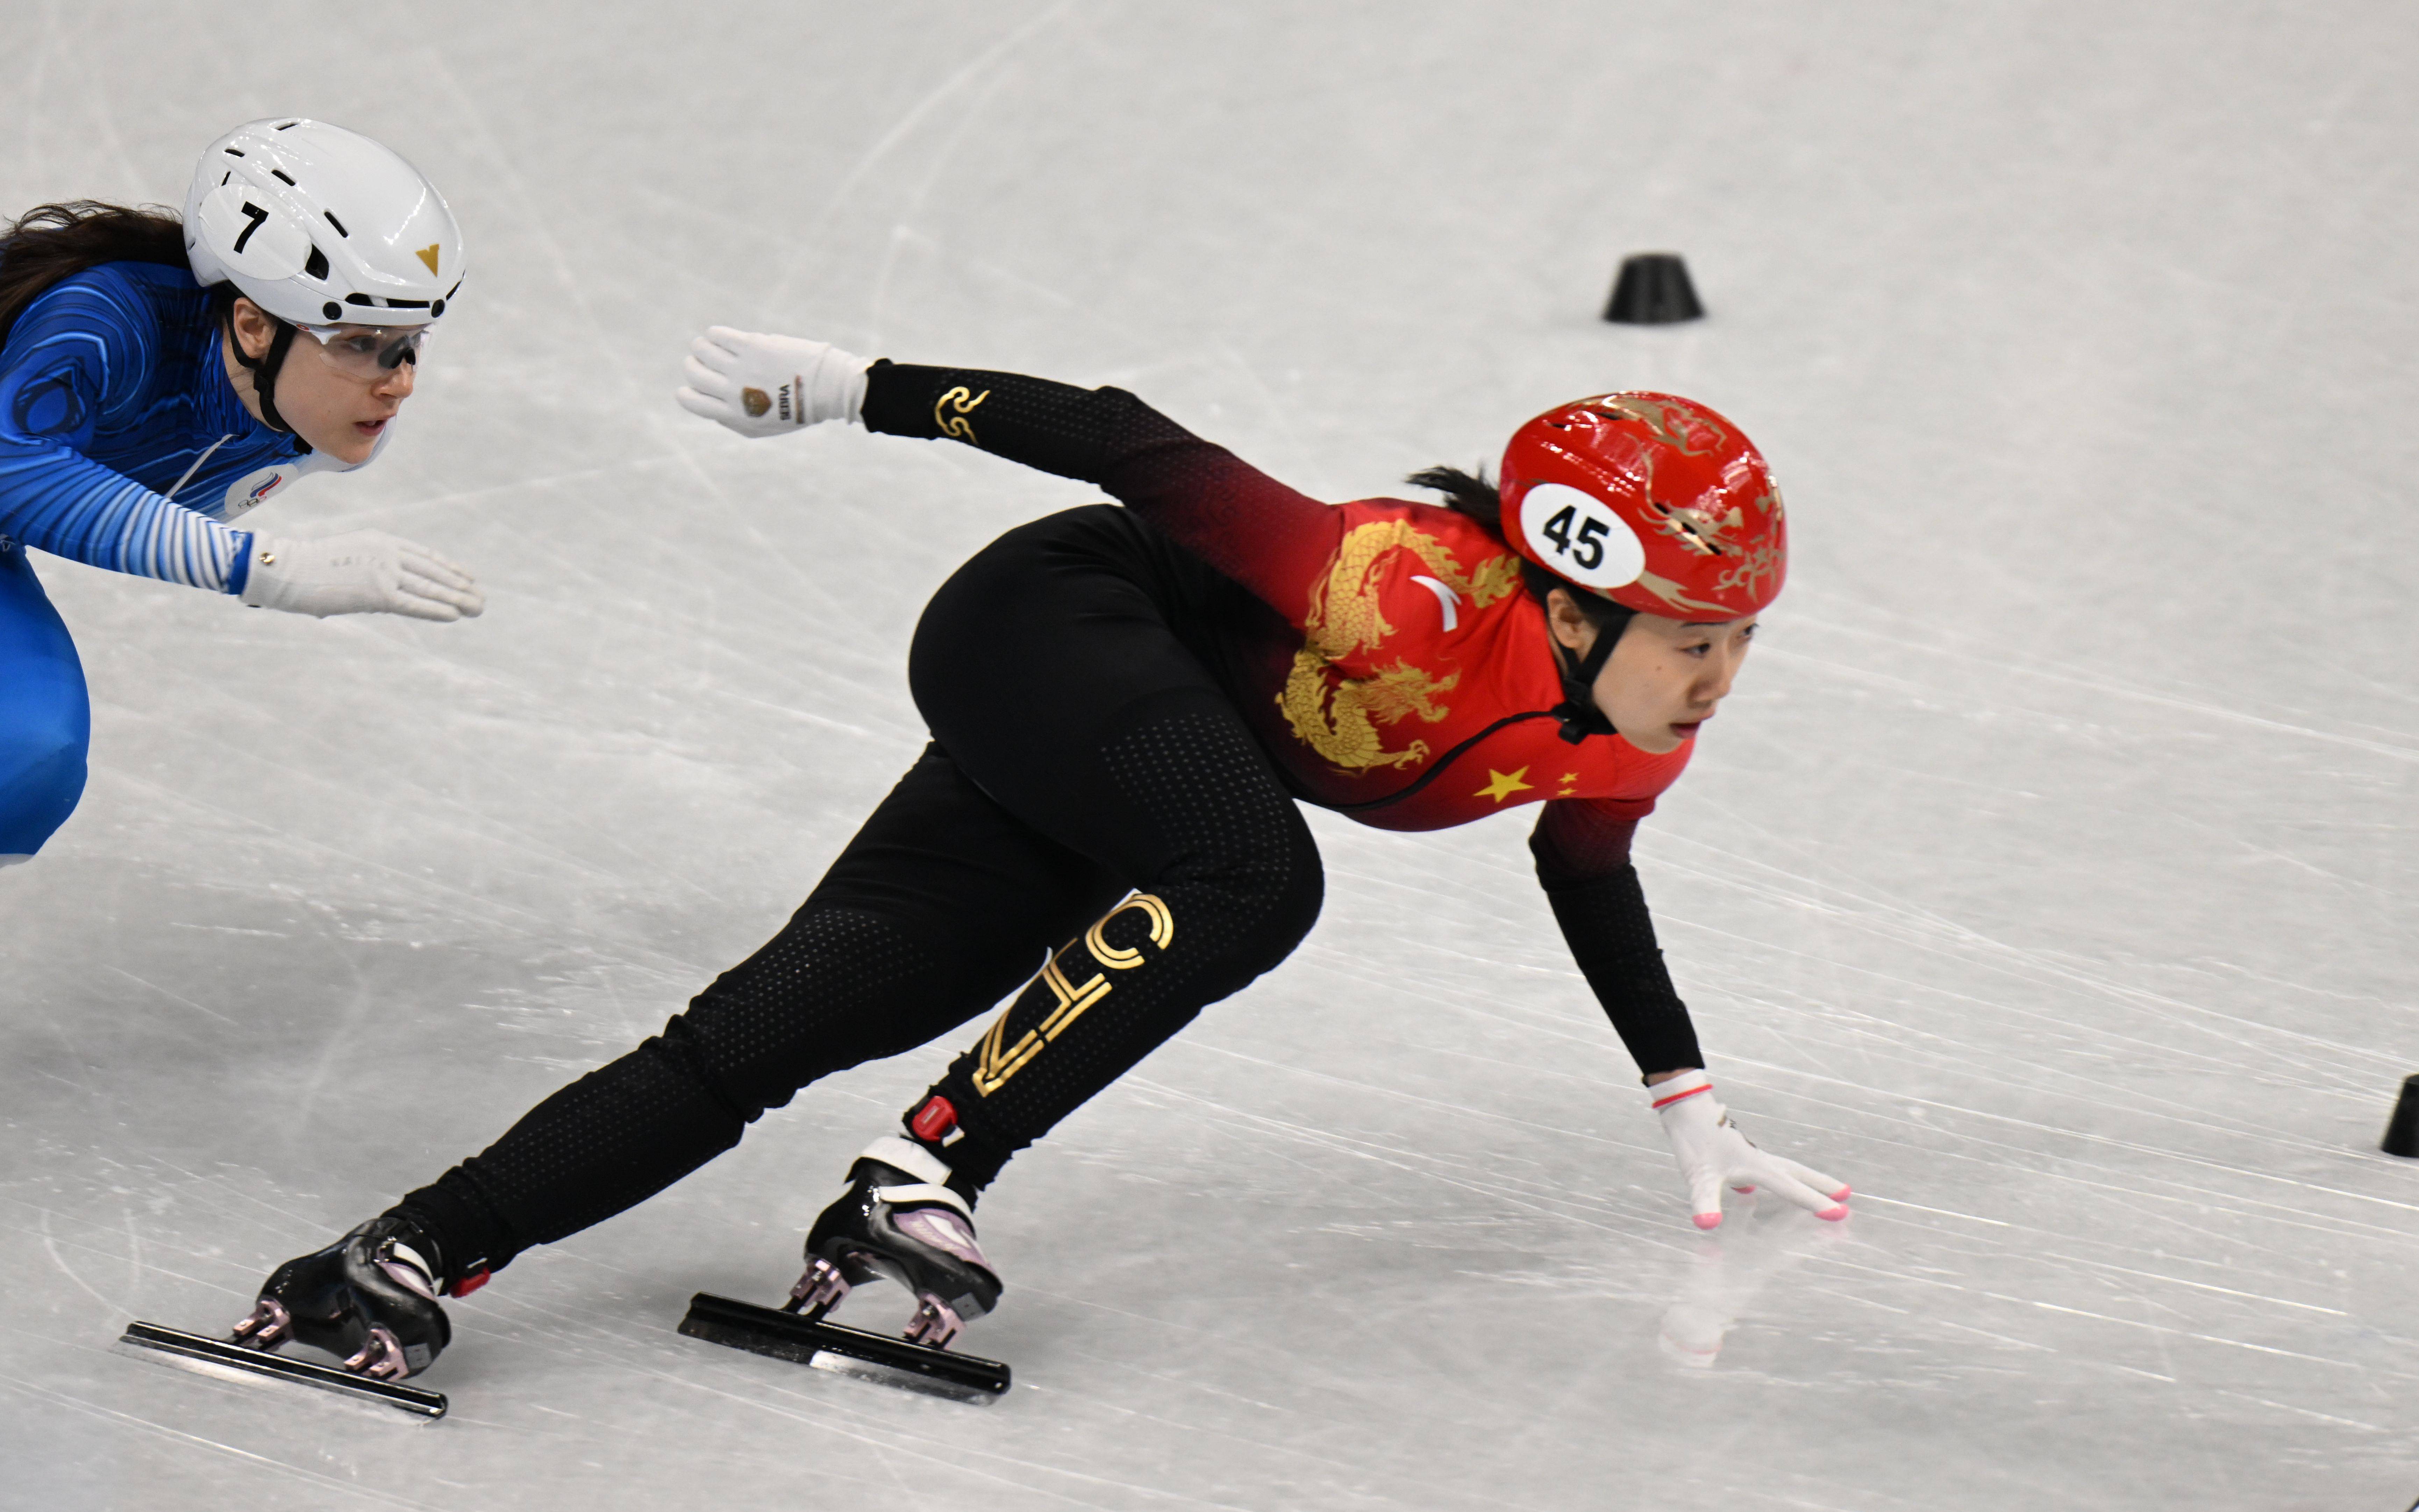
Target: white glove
(1713,1153)
(358,571)
(770,385)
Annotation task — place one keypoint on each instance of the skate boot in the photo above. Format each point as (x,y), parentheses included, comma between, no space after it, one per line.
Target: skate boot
(370,1299)
(901,1222)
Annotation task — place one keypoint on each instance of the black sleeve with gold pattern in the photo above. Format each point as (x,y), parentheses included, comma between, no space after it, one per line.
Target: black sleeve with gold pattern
(1272,539)
(1583,864)
(1056,427)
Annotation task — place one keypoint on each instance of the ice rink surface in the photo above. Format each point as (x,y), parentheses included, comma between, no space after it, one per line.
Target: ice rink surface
(2048,878)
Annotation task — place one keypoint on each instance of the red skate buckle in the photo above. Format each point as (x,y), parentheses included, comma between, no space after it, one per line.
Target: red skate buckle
(936,1118)
(469,1283)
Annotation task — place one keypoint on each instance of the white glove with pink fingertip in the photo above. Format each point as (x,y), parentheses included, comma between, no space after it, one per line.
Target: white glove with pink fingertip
(1714,1154)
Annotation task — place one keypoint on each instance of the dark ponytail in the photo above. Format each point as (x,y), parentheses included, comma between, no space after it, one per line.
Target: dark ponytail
(50,243)
(1475,495)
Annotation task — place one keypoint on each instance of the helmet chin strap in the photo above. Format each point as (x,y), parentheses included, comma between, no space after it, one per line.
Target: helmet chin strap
(264,370)
(1578,714)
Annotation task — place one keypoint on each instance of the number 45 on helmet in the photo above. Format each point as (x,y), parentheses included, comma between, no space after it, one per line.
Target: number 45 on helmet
(1652,501)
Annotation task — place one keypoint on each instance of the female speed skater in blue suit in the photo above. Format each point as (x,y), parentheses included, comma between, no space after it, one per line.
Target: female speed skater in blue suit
(152,392)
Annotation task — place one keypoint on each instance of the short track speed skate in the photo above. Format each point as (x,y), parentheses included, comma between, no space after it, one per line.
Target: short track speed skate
(370,1299)
(898,1221)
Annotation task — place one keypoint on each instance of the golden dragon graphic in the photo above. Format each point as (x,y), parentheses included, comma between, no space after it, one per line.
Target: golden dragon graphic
(1344,621)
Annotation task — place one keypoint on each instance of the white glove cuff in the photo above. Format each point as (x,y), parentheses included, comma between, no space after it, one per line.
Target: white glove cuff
(828,385)
(260,573)
(1689,1086)
(843,387)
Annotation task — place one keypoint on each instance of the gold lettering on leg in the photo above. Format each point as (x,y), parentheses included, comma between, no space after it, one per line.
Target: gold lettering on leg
(1163,928)
(995,1065)
(988,1072)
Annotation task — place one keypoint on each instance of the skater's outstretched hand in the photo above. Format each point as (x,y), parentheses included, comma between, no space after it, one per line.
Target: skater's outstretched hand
(359,572)
(1714,1154)
(761,385)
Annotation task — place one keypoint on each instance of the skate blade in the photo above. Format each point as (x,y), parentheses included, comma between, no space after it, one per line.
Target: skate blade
(233,1361)
(848,1351)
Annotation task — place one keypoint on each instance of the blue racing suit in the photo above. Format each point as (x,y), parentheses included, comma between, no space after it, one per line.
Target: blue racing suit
(122,445)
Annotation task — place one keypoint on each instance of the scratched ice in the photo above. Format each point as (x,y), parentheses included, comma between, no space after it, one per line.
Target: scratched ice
(2049,877)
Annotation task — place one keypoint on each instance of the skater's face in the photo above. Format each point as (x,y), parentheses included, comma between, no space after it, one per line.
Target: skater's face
(1664,678)
(336,393)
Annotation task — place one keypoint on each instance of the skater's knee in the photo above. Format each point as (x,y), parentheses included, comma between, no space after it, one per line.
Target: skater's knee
(1266,875)
(1229,830)
(1287,891)
(1303,893)
(820,996)
(967,944)
(688,1051)
(1251,909)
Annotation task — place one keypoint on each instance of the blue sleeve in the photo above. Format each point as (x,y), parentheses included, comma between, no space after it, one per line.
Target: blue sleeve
(78,356)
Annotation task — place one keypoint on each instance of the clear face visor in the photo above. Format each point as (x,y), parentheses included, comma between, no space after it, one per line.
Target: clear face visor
(369,353)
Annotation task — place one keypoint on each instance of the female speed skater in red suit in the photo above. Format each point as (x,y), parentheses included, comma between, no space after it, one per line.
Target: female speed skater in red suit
(1127,706)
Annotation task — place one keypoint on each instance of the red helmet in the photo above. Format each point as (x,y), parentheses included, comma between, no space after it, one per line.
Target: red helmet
(1654,503)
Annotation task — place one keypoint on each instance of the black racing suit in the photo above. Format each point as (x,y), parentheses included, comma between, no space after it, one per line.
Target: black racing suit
(1081,677)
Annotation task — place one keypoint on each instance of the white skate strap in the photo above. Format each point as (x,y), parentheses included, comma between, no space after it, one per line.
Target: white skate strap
(408,1268)
(904,1154)
(921,1194)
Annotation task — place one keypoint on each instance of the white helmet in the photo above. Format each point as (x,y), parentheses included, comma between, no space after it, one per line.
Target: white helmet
(319,225)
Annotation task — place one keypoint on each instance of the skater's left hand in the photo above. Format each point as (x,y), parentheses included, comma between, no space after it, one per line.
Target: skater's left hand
(761,385)
(1714,1154)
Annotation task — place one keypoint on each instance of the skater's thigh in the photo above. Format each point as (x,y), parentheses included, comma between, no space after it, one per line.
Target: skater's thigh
(45,713)
(982,891)
(1045,650)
